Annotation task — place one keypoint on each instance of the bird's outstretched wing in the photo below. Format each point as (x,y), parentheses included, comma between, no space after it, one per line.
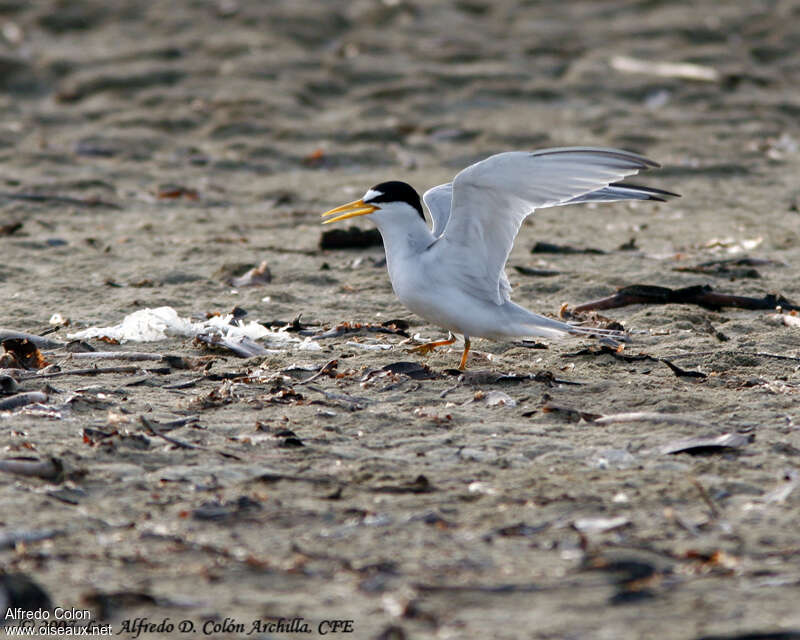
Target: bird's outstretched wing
(491,198)
(438,200)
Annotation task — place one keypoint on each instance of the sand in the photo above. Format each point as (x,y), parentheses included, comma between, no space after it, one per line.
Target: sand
(152,148)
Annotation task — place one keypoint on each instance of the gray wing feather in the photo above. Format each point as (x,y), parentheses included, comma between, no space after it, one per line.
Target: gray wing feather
(438,200)
(491,198)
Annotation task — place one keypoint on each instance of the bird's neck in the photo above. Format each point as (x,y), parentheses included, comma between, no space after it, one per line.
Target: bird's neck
(404,236)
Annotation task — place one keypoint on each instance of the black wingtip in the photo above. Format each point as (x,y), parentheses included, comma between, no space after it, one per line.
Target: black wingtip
(660,195)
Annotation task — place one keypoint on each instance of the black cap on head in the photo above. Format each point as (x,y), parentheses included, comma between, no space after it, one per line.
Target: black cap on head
(396,191)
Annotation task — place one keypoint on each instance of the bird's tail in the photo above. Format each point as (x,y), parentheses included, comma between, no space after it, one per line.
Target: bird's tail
(532,324)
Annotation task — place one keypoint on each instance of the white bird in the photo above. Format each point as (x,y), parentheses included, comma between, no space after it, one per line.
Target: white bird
(454,274)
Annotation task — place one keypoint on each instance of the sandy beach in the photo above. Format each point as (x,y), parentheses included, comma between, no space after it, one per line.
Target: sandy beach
(151,152)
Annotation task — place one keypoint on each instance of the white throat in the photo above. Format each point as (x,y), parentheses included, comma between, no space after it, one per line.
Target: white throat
(405,234)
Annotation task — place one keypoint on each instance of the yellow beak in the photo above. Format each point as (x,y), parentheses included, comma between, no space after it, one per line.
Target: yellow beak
(349,210)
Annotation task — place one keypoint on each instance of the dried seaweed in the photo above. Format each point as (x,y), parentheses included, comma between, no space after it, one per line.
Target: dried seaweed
(733,268)
(633,574)
(548,247)
(487,376)
(10,228)
(23,354)
(701,295)
(347,328)
(683,373)
(413,370)
(615,353)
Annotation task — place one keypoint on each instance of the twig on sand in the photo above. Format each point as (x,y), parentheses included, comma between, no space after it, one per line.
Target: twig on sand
(174,361)
(206,547)
(93,371)
(326,368)
(665,69)
(623,418)
(773,355)
(151,427)
(41,197)
(163,427)
(134,356)
(646,416)
(498,589)
(706,498)
(350,402)
(450,390)
(272,476)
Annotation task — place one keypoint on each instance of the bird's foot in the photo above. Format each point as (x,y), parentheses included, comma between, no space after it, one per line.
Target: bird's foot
(426,348)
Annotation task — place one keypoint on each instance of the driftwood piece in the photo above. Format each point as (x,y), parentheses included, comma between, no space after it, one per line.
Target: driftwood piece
(21,400)
(50,468)
(701,295)
(39,341)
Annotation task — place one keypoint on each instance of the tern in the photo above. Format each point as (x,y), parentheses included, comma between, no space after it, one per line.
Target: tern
(453,274)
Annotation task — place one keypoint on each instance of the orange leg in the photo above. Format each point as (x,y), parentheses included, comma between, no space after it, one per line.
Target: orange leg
(430,346)
(463,364)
